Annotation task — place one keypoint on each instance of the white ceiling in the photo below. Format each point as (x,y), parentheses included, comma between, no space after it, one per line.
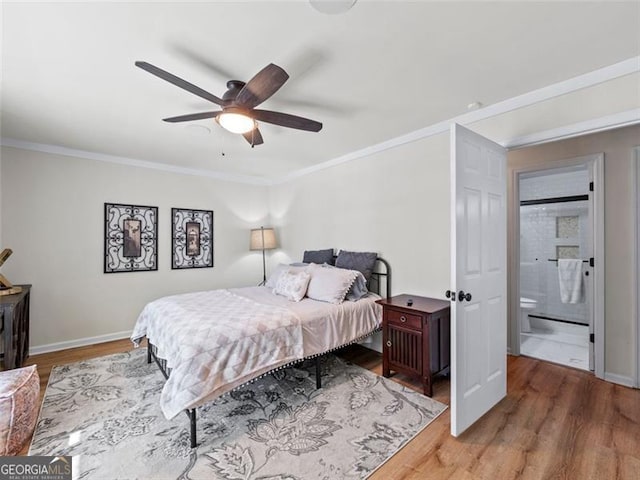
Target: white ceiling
(381,70)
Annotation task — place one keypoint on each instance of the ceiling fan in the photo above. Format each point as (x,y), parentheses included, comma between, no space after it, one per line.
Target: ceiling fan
(238,114)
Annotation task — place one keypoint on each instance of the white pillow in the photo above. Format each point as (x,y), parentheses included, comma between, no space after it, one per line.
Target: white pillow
(358,288)
(273,278)
(329,284)
(292,285)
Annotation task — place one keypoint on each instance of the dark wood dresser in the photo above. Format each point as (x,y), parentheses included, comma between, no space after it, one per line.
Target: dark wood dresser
(416,337)
(14,321)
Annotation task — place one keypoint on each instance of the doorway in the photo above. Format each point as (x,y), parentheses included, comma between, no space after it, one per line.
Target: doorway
(556,239)
(558,267)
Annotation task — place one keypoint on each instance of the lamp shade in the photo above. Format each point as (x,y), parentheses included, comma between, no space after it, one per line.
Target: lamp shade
(263,239)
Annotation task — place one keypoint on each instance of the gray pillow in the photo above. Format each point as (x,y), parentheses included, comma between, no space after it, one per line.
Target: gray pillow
(364,262)
(318,256)
(358,289)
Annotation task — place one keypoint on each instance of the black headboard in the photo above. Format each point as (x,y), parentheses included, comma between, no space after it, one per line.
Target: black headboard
(381,278)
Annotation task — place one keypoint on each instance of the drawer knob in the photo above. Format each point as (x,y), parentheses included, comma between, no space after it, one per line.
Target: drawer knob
(403,318)
(388,343)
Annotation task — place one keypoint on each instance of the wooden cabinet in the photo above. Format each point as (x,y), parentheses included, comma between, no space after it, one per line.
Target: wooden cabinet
(14,321)
(415,337)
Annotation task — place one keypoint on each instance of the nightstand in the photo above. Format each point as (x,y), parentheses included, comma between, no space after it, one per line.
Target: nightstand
(416,337)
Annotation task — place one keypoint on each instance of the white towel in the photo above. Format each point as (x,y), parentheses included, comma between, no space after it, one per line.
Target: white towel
(571,284)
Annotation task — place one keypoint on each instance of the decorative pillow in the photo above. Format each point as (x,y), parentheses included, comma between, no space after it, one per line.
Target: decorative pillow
(19,402)
(358,288)
(318,256)
(364,262)
(273,278)
(292,285)
(329,284)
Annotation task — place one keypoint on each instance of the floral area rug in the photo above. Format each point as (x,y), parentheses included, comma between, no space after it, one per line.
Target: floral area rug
(105,413)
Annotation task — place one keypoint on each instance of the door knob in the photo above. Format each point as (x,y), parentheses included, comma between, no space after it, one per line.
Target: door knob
(450,294)
(464,296)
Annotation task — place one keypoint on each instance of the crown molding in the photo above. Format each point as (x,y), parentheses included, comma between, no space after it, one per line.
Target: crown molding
(131,162)
(611,72)
(609,122)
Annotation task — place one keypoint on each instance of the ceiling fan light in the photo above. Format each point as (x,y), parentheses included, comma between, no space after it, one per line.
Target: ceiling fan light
(236,122)
(332,7)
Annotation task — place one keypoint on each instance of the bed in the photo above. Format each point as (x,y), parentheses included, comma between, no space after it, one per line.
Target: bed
(208,343)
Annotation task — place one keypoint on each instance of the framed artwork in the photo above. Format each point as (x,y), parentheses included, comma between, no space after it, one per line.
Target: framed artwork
(192,238)
(130,238)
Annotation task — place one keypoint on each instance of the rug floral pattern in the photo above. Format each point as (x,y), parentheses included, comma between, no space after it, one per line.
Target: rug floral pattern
(105,413)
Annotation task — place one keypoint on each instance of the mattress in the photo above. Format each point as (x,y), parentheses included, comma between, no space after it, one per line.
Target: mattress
(325,326)
(217,340)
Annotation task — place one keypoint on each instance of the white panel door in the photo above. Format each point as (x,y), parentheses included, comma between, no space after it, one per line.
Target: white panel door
(478,275)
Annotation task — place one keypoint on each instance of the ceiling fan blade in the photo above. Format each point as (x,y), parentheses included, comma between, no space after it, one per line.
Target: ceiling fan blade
(177,81)
(286,120)
(254,137)
(264,84)
(192,116)
(204,61)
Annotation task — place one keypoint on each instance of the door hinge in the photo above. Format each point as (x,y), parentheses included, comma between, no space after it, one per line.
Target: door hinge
(591,186)
(592,338)
(592,262)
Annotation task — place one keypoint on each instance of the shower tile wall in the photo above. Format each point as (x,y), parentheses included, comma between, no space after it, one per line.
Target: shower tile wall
(540,226)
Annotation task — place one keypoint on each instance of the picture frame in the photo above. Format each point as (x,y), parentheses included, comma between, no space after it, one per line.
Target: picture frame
(191,238)
(130,238)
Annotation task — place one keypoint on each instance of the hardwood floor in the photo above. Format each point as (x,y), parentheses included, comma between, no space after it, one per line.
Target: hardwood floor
(555,423)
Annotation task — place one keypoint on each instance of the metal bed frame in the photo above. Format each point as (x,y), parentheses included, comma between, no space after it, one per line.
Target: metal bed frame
(375,286)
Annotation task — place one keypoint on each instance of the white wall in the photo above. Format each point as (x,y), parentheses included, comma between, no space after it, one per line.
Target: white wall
(395,203)
(637,262)
(52,215)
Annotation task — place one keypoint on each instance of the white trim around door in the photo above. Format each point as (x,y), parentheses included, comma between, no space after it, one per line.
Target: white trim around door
(597,162)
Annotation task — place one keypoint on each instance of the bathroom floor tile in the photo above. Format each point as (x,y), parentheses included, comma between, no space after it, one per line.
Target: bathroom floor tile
(551,347)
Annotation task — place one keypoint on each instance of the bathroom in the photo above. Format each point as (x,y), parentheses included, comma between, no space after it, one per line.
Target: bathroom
(556,245)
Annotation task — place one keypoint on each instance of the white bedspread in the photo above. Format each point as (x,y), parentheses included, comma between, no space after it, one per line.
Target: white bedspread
(325,326)
(214,341)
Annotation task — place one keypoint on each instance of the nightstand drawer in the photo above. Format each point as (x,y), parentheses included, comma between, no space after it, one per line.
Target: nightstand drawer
(404,319)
